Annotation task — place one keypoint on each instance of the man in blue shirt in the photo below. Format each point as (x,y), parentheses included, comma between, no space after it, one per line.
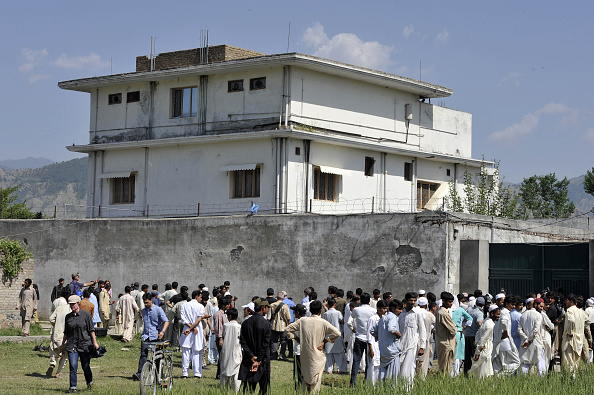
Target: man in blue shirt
(155,325)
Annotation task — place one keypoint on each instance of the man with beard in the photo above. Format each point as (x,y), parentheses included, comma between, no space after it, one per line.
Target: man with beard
(505,355)
(529,328)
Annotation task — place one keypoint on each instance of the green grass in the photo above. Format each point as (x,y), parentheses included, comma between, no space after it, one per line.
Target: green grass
(35,330)
(22,371)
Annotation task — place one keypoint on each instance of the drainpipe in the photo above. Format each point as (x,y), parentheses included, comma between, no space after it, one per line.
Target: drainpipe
(287,92)
(286,173)
(94,184)
(384,176)
(306,149)
(146,170)
(276,175)
(413,197)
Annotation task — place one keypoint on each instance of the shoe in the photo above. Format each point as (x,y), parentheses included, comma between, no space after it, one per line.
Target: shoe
(184,377)
(49,371)
(205,368)
(72,390)
(136,377)
(90,386)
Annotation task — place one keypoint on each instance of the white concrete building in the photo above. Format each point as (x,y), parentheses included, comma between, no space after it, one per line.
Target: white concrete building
(209,132)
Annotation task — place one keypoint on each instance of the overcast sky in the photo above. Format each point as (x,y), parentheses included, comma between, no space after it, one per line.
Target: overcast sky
(523,69)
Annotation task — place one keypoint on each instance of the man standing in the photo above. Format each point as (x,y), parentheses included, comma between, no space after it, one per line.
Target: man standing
(358,324)
(192,338)
(388,341)
(340,301)
(27,304)
(529,328)
(445,334)
(505,355)
(155,325)
(482,365)
(139,324)
(76,287)
(255,343)
(127,309)
(476,312)
(230,353)
(57,291)
(425,359)
(79,335)
(314,333)
(280,317)
(105,306)
(57,319)
(170,291)
(219,320)
(414,336)
(374,359)
(573,335)
(335,351)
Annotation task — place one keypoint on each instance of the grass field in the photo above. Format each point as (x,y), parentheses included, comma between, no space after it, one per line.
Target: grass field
(34,330)
(22,371)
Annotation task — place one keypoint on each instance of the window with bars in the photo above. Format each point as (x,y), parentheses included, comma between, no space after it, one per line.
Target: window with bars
(425,190)
(123,189)
(324,185)
(185,102)
(246,183)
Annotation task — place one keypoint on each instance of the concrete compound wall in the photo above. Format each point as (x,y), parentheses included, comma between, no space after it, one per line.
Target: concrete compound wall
(393,252)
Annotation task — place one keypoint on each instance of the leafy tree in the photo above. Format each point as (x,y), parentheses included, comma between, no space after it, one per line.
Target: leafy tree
(8,207)
(484,195)
(589,183)
(545,197)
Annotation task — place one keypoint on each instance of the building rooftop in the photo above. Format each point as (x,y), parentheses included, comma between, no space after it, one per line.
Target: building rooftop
(225,58)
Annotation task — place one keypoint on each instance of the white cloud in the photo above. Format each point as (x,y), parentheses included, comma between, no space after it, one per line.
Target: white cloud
(408,30)
(529,122)
(33,58)
(511,77)
(589,136)
(443,36)
(34,78)
(348,48)
(92,61)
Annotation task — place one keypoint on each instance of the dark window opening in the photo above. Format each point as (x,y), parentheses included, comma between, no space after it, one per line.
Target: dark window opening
(425,191)
(324,185)
(258,83)
(448,172)
(246,183)
(185,102)
(123,189)
(132,97)
(235,86)
(407,171)
(369,165)
(297,150)
(115,98)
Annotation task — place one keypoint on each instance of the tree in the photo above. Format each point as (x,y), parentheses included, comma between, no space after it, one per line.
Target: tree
(545,197)
(10,209)
(589,183)
(484,194)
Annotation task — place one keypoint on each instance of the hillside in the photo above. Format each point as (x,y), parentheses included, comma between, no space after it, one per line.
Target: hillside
(58,185)
(27,163)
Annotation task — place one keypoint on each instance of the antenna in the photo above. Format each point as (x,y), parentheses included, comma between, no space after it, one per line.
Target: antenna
(420,70)
(153,52)
(289,38)
(203,46)
(111,65)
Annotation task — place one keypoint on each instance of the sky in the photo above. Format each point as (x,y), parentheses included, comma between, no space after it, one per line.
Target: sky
(523,69)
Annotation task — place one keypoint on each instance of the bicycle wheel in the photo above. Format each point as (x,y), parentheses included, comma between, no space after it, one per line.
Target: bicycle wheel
(148,382)
(166,374)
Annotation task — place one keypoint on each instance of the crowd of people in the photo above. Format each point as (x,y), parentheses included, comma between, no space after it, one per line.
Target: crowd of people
(378,335)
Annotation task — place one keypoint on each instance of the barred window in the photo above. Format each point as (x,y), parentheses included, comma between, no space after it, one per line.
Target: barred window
(246,183)
(185,102)
(425,190)
(123,189)
(324,185)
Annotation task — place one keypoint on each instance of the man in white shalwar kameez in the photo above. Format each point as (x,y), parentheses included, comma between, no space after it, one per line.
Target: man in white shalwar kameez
(230,356)
(388,341)
(414,336)
(335,351)
(573,339)
(423,361)
(191,340)
(506,359)
(314,333)
(482,365)
(529,328)
(127,309)
(545,332)
(373,356)
(57,319)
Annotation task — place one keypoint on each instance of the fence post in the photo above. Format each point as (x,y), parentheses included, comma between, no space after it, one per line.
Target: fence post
(147,210)
(310,203)
(372,203)
(99,215)
(198,210)
(55,211)
(11,212)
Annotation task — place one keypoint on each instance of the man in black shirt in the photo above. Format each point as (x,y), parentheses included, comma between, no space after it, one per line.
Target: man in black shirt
(79,336)
(255,343)
(57,291)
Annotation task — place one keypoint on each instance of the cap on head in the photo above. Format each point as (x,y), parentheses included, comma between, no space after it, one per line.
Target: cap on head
(422,301)
(74,275)
(299,308)
(480,301)
(72,299)
(262,302)
(493,307)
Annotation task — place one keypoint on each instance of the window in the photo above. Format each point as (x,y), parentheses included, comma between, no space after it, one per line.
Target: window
(123,189)
(246,183)
(132,97)
(448,172)
(185,102)
(115,98)
(407,171)
(324,185)
(258,83)
(369,164)
(297,151)
(235,86)
(425,190)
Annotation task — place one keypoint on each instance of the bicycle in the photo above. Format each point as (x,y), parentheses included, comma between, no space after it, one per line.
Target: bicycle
(157,372)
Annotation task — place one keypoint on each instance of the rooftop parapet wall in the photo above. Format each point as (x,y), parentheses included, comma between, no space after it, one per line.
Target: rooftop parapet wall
(191,57)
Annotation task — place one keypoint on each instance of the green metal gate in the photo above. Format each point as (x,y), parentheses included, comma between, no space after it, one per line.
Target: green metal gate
(525,268)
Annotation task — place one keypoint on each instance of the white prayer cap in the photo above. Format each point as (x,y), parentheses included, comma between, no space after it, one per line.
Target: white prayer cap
(590,302)
(422,301)
(529,300)
(499,296)
(421,292)
(249,306)
(472,298)
(205,288)
(493,307)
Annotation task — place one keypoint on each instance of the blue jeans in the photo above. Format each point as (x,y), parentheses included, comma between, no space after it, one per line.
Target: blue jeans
(359,349)
(85,361)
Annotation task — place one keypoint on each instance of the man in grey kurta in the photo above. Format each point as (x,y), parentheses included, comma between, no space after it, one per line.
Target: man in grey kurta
(27,304)
(128,308)
(335,351)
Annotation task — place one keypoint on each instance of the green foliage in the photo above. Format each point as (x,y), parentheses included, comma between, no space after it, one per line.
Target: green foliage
(589,183)
(12,255)
(484,195)
(545,197)
(10,209)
